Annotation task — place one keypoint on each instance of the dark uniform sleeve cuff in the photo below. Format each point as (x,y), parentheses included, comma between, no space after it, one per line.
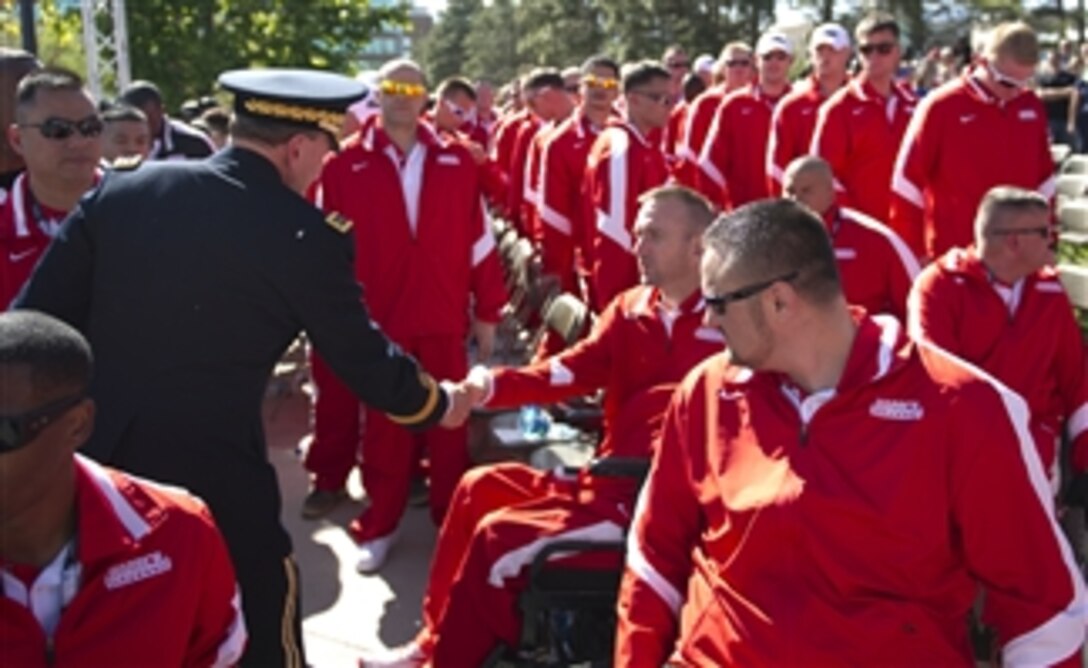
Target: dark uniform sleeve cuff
(434,407)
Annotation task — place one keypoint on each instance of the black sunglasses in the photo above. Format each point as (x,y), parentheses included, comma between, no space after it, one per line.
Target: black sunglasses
(17,431)
(883,48)
(717,303)
(62,128)
(1043,232)
(664,99)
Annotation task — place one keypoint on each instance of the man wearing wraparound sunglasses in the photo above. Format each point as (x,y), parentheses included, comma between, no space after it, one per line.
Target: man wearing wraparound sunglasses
(622,164)
(982,130)
(96,568)
(562,169)
(57,131)
(859,128)
(831,492)
(424,252)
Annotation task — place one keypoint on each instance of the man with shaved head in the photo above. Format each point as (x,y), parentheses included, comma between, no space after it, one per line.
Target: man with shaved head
(876,266)
(427,259)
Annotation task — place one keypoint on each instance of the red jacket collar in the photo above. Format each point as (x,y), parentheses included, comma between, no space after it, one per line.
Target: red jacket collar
(864,91)
(374,138)
(966,263)
(649,299)
(113,513)
(880,346)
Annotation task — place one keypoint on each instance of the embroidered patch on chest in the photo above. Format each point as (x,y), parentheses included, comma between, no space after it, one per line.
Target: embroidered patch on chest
(137,570)
(900,410)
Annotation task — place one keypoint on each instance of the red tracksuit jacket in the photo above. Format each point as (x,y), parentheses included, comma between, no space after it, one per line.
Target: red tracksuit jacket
(629,350)
(516,204)
(693,134)
(156,585)
(792,125)
(732,165)
(560,210)
(417,284)
(26,228)
(622,164)
(875,265)
(858,134)
(502,146)
(962,142)
(1037,350)
(858,537)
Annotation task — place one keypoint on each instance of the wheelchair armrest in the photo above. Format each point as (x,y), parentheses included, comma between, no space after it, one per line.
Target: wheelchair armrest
(585,415)
(540,561)
(620,467)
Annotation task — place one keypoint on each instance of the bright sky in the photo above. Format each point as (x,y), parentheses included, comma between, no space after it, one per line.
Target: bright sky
(785,14)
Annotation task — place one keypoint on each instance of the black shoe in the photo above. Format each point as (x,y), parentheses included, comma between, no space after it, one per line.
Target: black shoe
(321,502)
(419,494)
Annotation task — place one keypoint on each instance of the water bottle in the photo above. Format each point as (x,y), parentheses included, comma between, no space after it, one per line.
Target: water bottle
(534,422)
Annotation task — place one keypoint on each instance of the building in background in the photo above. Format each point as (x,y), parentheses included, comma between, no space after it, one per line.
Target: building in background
(396,41)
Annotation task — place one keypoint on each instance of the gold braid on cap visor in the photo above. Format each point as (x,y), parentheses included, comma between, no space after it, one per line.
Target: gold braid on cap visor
(329,121)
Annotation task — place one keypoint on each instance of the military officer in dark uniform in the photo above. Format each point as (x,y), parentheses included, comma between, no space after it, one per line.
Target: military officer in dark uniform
(190,279)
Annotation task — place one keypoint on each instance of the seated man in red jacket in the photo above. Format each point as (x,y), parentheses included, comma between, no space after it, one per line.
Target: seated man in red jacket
(503,515)
(96,568)
(830,493)
(999,305)
(877,268)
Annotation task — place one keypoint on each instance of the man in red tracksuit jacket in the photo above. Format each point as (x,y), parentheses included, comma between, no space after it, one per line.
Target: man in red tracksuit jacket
(622,164)
(563,166)
(826,492)
(424,253)
(858,130)
(549,103)
(830,492)
(876,268)
(732,164)
(97,568)
(501,149)
(454,117)
(982,130)
(57,132)
(794,118)
(990,304)
(502,515)
(733,71)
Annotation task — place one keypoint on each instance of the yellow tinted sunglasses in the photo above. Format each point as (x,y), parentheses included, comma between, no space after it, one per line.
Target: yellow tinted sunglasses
(606,83)
(389,87)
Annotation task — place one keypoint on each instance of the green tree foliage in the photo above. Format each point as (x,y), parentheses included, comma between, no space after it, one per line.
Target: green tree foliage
(182,45)
(560,33)
(444,52)
(491,45)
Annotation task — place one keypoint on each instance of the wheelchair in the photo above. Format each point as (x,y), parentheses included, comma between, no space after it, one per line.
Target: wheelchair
(569,613)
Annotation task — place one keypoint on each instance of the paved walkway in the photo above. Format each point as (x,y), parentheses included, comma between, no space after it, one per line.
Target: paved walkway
(344,612)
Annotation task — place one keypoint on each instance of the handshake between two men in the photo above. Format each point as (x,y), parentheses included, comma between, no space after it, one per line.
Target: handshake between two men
(470,393)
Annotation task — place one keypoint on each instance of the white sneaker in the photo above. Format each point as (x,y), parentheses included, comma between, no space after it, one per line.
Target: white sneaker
(372,553)
(405,656)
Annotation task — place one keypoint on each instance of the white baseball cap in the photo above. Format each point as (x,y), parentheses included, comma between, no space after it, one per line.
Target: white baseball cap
(703,64)
(831,34)
(774,41)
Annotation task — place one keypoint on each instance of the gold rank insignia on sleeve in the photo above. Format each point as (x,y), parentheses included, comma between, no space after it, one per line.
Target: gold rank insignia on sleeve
(339,222)
(433,392)
(127,163)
